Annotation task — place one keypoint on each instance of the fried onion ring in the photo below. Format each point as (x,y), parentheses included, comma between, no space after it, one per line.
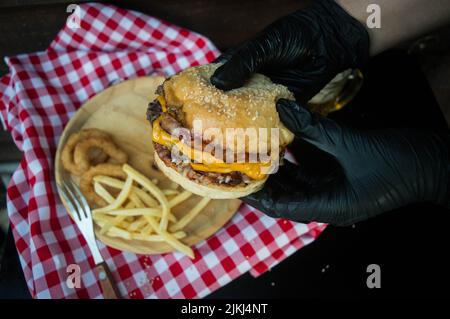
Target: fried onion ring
(67,154)
(96,156)
(87,183)
(107,146)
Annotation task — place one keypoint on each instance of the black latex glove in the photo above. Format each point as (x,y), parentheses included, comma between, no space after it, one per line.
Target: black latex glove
(303,50)
(377,171)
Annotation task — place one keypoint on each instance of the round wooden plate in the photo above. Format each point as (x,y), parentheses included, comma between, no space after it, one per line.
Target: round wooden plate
(121,111)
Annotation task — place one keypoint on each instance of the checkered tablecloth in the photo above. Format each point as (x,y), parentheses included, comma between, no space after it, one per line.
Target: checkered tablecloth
(38,97)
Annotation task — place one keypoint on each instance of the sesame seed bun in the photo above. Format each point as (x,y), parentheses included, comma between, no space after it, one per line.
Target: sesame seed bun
(250,106)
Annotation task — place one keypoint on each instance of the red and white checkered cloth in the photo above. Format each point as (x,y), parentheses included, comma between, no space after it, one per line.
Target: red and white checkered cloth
(38,97)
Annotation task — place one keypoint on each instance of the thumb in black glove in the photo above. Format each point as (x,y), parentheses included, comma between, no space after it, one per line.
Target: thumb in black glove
(303,50)
(377,171)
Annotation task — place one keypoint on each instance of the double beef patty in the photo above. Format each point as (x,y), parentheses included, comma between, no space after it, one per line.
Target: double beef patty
(171,120)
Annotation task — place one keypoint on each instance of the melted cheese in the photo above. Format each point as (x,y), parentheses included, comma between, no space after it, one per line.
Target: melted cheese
(162,102)
(162,137)
(209,162)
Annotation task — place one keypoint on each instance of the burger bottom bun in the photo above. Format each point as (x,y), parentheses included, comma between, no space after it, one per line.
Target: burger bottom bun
(212,190)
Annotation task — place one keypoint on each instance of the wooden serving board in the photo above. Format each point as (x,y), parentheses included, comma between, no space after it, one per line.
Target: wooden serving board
(121,111)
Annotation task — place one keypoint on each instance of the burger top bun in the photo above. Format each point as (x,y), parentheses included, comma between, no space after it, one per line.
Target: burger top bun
(250,106)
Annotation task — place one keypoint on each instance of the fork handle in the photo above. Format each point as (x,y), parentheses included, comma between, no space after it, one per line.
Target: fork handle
(109,288)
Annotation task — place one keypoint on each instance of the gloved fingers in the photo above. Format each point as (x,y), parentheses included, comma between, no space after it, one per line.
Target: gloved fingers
(285,178)
(284,181)
(267,198)
(263,202)
(224,57)
(300,193)
(321,132)
(278,203)
(290,179)
(221,59)
(302,83)
(327,205)
(239,65)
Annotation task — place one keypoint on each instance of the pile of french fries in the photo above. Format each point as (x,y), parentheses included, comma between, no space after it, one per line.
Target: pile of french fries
(142,211)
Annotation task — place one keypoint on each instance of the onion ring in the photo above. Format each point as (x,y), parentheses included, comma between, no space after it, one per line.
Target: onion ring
(96,156)
(67,154)
(87,183)
(107,146)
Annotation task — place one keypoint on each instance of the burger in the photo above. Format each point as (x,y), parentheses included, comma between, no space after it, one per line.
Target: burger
(214,143)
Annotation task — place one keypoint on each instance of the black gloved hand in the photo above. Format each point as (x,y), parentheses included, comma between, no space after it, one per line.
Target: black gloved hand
(377,171)
(303,50)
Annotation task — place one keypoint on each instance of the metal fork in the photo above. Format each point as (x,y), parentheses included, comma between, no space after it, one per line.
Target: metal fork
(81,213)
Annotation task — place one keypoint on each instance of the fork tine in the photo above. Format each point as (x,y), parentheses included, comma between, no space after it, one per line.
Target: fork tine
(66,193)
(82,199)
(77,200)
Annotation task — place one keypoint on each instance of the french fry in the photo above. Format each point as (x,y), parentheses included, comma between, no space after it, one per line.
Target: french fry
(147,230)
(170,239)
(106,222)
(179,198)
(137,224)
(125,191)
(117,232)
(116,183)
(130,205)
(169,192)
(177,235)
(154,212)
(172,218)
(190,215)
(103,193)
(146,198)
(156,192)
(110,181)
(140,204)
(135,199)
(112,223)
